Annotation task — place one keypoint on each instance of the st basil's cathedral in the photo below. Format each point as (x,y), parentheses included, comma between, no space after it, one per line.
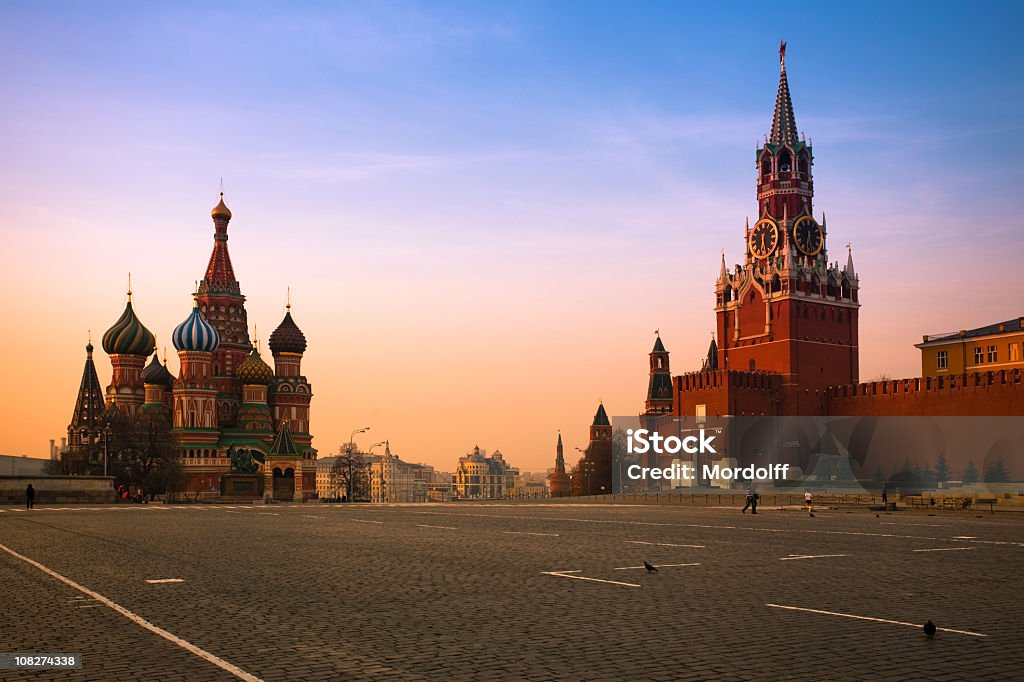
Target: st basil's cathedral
(225,398)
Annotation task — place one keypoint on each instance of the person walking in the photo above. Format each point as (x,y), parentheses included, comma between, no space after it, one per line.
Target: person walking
(808,500)
(30,496)
(752,497)
(885,493)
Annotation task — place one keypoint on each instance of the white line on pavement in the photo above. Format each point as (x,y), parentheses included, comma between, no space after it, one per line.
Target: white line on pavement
(633,568)
(565,574)
(523,532)
(875,620)
(661,544)
(423,525)
(793,557)
(364,521)
(155,581)
(307,516)
(269,514)
(139,620)
(946,549)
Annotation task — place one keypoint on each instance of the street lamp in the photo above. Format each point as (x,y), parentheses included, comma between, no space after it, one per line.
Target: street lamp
(348,483)
(106,429)
(369,453)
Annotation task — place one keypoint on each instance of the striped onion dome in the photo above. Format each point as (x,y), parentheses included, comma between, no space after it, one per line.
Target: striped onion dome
(253,370)
(156,374)
(195,333)
(128,336)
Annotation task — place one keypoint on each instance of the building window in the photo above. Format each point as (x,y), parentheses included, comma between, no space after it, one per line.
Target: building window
(979,356)
(1014,352)
(942,360)
(993,354)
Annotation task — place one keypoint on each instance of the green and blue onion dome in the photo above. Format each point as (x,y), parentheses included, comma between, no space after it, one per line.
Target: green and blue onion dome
(128,336)
(195,333)
(287,338)
(253,370)
(156,373)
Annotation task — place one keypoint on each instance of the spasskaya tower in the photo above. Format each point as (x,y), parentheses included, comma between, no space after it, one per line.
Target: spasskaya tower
(786,309)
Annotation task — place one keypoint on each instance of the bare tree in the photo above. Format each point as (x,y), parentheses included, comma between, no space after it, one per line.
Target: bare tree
(351,472)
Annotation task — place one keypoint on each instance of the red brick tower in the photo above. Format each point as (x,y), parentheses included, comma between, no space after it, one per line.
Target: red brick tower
(223,305)
(659,387)
(786,309)
(559,484)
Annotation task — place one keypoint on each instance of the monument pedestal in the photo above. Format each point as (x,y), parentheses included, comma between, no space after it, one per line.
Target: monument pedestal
(248,486)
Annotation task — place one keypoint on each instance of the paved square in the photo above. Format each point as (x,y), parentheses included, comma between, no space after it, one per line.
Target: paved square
(516,591)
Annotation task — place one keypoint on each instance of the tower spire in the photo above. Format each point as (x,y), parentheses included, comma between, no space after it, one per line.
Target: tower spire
(784,121)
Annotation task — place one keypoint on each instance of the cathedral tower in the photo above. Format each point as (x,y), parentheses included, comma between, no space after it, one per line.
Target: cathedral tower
(128,343)
(290,393)
(195,393)
(85,432)
(222,304)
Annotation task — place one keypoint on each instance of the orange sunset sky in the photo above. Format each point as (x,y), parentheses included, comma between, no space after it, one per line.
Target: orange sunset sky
(482,217)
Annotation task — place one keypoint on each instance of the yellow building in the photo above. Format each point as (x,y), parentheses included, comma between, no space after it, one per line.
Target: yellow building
(985,349)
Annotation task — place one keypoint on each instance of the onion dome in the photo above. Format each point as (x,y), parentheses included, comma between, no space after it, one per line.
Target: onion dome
(287,338)
(156,374)
(128,336)
(221,210)
(195,333)
(253,370)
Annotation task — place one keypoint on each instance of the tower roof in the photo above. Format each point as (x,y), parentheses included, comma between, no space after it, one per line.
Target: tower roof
(601,418)
(659,347)
(195,333)
(220,275)
(156,374)
(711,361)
(287,338)
(784,121)
(253,370)
(128,336)
(284,444)
(90,405)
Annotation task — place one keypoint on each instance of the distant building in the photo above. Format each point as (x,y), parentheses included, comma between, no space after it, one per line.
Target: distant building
(985,349)
(325,487)
(12,465)
(559,484)
(593,473)
(392,480)
(479,477)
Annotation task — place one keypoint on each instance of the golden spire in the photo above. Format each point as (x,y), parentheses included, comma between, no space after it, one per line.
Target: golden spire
(288,305)
(129,287)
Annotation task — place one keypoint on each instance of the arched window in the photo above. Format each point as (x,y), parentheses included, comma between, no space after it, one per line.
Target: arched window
(803,164)
(830,288)
(785,161)
(815,285)
(844,288)
(753,365)
(766,167)
(776,284)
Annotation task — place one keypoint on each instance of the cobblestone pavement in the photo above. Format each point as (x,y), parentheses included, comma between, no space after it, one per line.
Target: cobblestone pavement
(505,592)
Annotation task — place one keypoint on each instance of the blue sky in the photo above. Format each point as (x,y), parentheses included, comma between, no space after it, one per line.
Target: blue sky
(428,173)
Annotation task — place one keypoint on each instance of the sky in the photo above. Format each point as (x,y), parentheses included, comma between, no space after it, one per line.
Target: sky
(484,210)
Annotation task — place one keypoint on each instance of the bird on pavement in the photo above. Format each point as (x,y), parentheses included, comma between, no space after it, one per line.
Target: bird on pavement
(929,629)
(877,516)
(812,515)
(650,568)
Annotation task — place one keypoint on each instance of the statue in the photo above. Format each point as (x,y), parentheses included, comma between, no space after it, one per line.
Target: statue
(245,461)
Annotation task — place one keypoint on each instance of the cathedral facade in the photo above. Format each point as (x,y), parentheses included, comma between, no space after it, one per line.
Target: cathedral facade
(225,397)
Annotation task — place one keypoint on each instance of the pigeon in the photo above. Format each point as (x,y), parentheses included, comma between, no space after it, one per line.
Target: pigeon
(650,568)
(929,629)
(877,516)
(812,515)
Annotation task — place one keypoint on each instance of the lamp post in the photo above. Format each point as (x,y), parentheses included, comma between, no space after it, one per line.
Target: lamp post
(106,429)
(348,446)
(369,453)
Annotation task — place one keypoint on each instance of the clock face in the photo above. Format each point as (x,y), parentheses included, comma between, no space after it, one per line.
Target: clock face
(807,236)
(764,238)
